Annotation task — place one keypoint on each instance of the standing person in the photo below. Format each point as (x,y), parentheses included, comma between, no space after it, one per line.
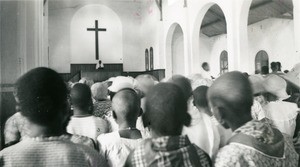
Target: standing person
(42,98)
(206,71)
(83,122)
(116,146)
(280,113)
(166,113)
(274,67)
(253,143)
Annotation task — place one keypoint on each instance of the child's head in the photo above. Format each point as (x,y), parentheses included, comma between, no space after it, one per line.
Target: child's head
(166,110)
(200,99)
(81,99)
(126,106)
(231,99)
(183,83)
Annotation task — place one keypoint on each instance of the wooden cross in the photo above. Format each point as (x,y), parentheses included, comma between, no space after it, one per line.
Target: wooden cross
(96,29)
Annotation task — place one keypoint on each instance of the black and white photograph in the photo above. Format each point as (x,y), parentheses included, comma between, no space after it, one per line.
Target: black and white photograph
(150,83)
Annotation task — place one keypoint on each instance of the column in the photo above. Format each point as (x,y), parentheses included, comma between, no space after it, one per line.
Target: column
(237,36)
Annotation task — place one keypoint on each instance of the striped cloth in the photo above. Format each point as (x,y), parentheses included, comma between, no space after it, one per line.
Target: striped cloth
(175,151)
(53,151)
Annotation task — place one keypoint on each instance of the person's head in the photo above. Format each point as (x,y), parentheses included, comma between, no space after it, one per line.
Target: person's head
(278,66)
(41,95)
(183,83)
(99,91)
(166,110)
(205,66)
(126,107)
(264,70)
(144,83)
(230,98)
(200,99)
(275,88)
(274,67)
(81,99)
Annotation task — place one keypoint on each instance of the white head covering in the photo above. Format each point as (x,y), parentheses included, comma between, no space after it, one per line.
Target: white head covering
(121,82)
(293,76)
(276,86)
(99,91)
(256,83)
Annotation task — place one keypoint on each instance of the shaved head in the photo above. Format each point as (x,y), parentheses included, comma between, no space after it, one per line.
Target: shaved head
(166,110)
(232,95)
(126,105)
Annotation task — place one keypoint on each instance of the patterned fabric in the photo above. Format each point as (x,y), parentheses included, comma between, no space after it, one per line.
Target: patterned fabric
(52,151)
(15,128)
(175,151)
(257,112)
(89,126)
(257,145)
(116,149)
(102,108)
(83,140)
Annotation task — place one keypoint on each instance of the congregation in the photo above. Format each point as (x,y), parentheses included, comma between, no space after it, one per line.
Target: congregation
(234,119)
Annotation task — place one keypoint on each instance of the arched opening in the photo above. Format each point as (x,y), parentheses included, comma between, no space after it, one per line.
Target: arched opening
(223,62)
(261,61)
(151,59)
(146,60)
(175,51)
(212,38)
(271,30)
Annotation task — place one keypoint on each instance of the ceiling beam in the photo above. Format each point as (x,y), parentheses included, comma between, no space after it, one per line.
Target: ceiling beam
(220,17)
(261,4)
(211,23)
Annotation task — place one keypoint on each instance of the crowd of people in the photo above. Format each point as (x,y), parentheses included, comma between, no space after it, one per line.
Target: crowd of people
(233,120)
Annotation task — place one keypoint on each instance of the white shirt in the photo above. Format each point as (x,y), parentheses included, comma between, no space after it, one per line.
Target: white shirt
(282,115)
(203,132)
(116,149)
(257,112)
(89,126)
(206,74)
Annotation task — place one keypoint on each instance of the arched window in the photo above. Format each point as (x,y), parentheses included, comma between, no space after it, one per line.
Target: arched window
(151,59)
(223,62)
(146,60)
(261,60)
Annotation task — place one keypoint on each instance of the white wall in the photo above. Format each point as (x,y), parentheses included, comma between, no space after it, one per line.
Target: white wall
(275,36)
(178,52)
(131,19)
(21,31)
(83,41)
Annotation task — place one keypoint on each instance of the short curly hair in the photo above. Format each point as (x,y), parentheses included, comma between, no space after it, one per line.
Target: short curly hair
(42,96)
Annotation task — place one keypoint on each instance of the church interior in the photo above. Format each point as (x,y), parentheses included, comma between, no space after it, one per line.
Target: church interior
(101,39)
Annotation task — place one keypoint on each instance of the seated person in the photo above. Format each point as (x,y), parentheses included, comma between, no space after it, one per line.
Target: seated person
(42,99)
(83,122)
(253,143)
(211,133)
(166,113)
(279,113)
(102,105)
(144,83)
(118,83)
(116,146)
